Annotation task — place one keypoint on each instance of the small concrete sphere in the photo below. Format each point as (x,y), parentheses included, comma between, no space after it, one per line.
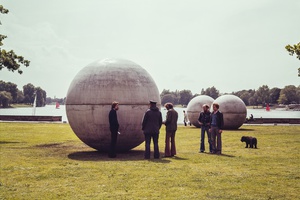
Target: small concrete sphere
(91,94)
(234,111)
(194,108)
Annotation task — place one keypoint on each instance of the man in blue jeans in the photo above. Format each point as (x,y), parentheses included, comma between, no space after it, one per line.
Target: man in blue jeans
(204,121)
(216,123)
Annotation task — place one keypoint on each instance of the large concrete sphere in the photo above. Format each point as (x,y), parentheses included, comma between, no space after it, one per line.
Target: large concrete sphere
(195,107)
(90,96)
(234,111)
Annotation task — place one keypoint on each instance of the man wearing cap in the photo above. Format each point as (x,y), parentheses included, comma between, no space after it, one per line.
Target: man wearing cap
(151,124)
(204,121)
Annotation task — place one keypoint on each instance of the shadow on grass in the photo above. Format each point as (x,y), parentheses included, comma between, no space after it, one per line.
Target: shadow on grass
(225,155)
(241,129)
(178,158)
(8,142)
(50,145)
(133,155)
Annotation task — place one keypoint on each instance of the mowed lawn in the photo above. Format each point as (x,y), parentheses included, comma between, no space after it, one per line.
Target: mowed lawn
(48,161)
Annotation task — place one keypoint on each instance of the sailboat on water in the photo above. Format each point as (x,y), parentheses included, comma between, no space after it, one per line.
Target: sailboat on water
(267,107)
(57,105)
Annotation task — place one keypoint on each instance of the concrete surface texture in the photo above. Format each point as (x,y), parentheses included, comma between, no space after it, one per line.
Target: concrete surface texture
(90,96)
(195,107)
(234,111)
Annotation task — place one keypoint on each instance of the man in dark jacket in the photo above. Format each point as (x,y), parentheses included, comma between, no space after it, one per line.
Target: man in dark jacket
(204,121)
(171,127)
(114,128)
(151,124)
(216,123)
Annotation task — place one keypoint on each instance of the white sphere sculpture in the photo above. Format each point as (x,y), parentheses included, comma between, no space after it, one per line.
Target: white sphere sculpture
(194,108)
(90,96)
(234,111)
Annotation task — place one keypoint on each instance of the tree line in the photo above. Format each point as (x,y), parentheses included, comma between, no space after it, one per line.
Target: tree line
(288,95)
(10,94)
(50,100)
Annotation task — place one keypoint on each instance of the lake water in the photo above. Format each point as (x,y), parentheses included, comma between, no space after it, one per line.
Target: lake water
(51,111)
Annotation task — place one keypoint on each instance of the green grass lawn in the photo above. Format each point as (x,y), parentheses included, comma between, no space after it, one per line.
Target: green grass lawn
(48,161)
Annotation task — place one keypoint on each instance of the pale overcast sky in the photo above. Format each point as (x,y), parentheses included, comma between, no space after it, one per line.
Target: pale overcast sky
(183,44)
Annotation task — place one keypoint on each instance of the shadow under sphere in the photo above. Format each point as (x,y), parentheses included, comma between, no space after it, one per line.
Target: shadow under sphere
(90,96)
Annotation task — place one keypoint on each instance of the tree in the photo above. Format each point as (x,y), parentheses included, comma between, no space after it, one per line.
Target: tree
(211,91)
(244,95)
(263,95)
(8,59)
(298,92)
(164,92)
(253,101)
(5,98)
(185,97)
(295,49)
(289,94)
(29,94)
(28,91)
(20,97)
(49,100)
(282,99)
(274,95)
(11,88)
(169,98)
(40,97)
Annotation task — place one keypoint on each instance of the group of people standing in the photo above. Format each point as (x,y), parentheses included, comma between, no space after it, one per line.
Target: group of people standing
(151,124)
(212,123)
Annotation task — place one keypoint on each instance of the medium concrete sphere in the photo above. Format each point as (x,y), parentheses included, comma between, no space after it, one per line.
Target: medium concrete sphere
(91,94)
(234,111)
(195,107)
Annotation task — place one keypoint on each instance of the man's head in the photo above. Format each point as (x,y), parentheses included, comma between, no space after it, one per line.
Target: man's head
(205,107)
(115,105)
(216,106)
(152,103)
(168,106)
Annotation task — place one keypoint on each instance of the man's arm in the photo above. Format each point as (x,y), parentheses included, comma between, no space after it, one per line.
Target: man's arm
(200,119)
(160,119)
(169,118)
(144,121)
(221,120)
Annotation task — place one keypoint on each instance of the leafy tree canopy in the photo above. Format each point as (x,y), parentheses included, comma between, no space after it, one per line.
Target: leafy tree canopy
(294,49)
(9,59)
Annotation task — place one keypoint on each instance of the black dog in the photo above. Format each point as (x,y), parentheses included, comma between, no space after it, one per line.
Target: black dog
(252,141)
